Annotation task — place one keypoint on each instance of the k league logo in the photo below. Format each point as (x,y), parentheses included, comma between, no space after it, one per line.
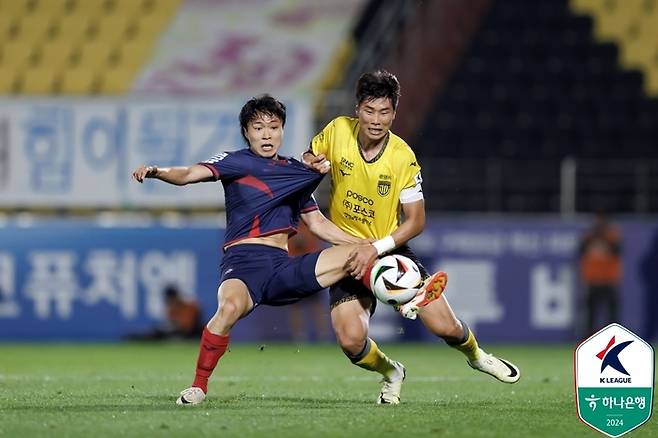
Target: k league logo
(614,373)
(610,358)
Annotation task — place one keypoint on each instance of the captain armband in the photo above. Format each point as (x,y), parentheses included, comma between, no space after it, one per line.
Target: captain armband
(411,194)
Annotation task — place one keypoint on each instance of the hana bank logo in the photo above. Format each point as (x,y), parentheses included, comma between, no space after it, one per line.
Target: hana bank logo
(609,357)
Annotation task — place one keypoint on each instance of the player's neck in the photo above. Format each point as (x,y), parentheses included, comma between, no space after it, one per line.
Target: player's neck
(370,150)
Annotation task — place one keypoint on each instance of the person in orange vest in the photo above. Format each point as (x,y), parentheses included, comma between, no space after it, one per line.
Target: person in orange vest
(601,270)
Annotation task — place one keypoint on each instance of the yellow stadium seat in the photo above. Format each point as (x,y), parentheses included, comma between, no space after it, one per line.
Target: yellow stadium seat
(34,28)
(117,81)
(91,8)
(164,7)
(151,26)
(39,81)
(113,29)
(585,6)
(7,80)
(128,8)
(7,27)
(95,55)
(135,53)
(52,8)
(55,55)
(616,23)
(17,54)
(78,81)
(14,8)
(72,27)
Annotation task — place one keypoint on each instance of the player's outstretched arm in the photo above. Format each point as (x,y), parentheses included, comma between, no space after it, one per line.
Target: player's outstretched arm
(324,229)
(179,176)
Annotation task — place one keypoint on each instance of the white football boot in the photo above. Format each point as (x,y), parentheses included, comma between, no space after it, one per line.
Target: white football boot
(390,393)
(499,368)
(191,396)
(431,290)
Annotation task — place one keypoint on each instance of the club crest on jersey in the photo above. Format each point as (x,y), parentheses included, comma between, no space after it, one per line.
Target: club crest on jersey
(383,187)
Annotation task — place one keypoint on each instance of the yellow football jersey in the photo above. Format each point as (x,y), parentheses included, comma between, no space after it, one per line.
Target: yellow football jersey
(365,196)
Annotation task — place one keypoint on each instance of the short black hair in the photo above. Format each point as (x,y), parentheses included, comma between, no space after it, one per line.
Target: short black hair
(263,104)
(378,84)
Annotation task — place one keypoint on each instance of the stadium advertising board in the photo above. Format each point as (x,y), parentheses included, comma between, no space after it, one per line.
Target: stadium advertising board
(518,280)
(512,281)
(216,48)
(80,153)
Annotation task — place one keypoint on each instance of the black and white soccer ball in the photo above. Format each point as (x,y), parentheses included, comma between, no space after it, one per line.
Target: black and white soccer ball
(395,279)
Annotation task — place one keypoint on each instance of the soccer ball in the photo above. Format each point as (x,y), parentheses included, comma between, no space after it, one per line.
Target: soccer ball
(395,279)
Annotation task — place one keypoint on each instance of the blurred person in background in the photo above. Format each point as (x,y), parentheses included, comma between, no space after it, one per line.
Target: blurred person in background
(375,178)
(184,320)
(266,196)
(600,271)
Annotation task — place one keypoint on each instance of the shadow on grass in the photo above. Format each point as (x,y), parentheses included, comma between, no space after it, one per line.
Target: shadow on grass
(239,402)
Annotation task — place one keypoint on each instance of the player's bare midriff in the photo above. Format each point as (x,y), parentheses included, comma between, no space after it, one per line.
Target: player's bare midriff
(278,240)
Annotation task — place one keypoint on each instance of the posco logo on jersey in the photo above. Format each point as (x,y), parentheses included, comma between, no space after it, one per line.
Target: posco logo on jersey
(359,197)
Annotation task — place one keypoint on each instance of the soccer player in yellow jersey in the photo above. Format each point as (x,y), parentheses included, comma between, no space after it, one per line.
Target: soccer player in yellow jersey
(375,178)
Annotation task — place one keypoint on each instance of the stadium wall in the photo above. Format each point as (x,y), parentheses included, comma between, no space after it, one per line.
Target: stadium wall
(73,153)
(513,280)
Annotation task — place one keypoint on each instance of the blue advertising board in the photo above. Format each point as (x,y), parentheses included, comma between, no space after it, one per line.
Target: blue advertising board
(512,280)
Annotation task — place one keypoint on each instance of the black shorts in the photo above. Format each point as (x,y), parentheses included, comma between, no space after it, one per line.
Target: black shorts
(349,289)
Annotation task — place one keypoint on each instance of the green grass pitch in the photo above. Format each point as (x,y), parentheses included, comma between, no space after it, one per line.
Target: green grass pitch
(282,390)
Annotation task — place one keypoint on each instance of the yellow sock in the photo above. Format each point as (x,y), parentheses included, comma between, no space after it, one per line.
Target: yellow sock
(469,347)
(375,360)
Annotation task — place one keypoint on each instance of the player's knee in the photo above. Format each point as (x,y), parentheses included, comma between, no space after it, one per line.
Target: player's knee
(351,343)
(229,310)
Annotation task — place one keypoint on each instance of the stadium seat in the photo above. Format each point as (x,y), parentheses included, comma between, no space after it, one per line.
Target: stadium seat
(80,81)
(129,8)
(34,29)
(117,81)
(55,55)
(38,82)
(95,55)
(72,27)
(113,29)
(17,54)
(14,8)
(91,8)
(7,80)
(7,27)
(134,53)
(52,8)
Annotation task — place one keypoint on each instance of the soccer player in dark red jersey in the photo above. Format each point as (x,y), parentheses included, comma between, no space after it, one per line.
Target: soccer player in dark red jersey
(266,194)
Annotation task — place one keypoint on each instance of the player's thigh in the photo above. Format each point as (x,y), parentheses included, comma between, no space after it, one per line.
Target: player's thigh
(331,264)
(439,318)
(351,318)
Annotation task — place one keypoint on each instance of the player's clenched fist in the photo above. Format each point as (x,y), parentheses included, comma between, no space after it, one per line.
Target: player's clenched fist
(145,172)
(319,162)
